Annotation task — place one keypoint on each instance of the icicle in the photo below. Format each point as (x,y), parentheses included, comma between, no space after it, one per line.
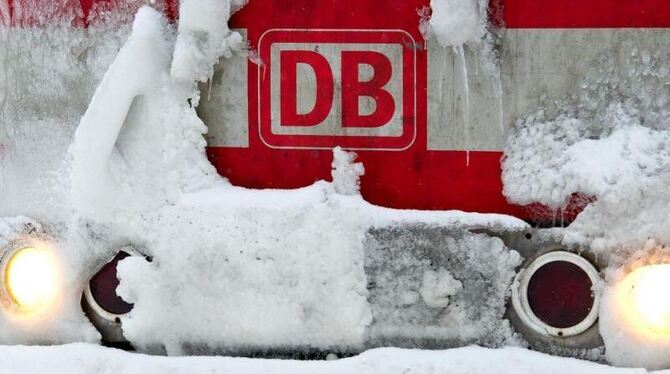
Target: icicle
(563,209)
(464,74)
(460,52)
(442,84)
(209,87)
(498,92)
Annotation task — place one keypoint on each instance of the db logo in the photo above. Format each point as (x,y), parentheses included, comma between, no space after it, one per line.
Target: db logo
(324,88)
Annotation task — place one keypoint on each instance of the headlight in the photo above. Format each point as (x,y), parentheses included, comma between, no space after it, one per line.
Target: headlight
(643,299)
(30,278)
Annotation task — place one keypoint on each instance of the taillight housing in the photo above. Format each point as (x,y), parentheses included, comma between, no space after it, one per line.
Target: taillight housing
(100,293)
(554,296)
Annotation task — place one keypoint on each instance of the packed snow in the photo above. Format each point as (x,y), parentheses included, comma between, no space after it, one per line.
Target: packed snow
(438,286)
(203,38)
(47,77)
(346,173)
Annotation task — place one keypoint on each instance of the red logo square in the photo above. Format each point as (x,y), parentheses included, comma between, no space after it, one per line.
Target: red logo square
(325,88)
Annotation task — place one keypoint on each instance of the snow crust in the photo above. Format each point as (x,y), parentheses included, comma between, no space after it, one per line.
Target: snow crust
(458,22)
(609,140)
(438,286)
(47,76)
(346,173)
(203,38)
(240,269)
(272,269)
(48,72)
(82,358)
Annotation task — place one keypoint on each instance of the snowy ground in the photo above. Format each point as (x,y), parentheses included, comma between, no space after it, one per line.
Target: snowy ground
(85,358)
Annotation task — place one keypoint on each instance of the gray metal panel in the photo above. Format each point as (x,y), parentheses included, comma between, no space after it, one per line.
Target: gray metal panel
(396,261)
(224,104)
(538,66)
(460,95)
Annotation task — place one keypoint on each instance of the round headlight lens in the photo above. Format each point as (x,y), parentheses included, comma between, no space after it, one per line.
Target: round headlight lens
(643,299)
(30,278)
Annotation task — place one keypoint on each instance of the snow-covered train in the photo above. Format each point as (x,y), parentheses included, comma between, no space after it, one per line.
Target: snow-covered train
(437,100)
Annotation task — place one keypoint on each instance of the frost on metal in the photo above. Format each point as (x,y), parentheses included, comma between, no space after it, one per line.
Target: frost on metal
(47,77)
(610,140)
(203,38)
(438,287)
(48,72)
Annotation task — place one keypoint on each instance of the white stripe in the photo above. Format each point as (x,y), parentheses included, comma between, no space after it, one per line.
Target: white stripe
(537,66)
(224,105)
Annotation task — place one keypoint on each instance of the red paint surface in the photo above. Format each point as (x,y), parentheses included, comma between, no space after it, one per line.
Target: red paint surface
(323,102)
(414,178)
(353,89)
(583,13)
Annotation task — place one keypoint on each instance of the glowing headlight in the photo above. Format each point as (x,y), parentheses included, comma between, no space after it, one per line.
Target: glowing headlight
(644,301)
(30,278)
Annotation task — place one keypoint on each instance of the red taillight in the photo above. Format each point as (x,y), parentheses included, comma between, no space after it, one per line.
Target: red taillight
(554,295)
(103,288)
(560,295)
